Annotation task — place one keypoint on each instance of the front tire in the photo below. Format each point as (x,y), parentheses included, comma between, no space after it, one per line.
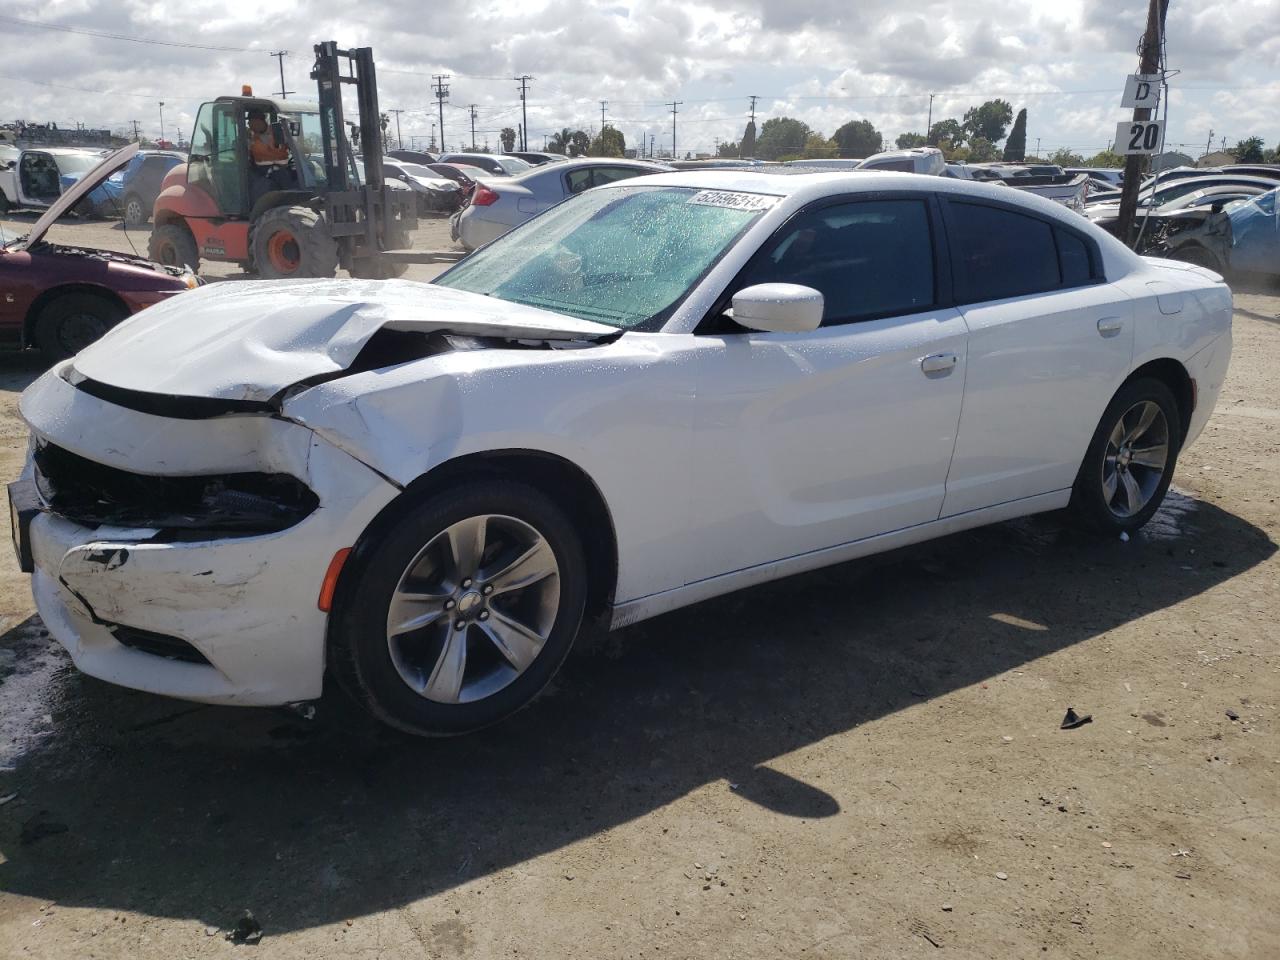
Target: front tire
(73,321)
(173,245)
(456,613)
(287,242)
(1130,461)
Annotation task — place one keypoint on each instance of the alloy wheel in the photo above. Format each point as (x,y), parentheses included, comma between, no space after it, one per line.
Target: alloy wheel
(473,609)
(1136,458)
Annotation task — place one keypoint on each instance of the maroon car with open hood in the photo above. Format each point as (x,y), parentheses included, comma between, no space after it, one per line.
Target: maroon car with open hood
(61,298)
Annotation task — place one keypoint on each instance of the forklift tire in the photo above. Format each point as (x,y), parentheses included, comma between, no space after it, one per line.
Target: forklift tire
(173,245)
(292,242)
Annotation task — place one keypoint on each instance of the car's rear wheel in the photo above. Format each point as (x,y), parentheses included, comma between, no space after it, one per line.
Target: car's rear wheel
(173,245)
(456,614)
(1129,465)
(1198,255)
(136,213)
(73,321)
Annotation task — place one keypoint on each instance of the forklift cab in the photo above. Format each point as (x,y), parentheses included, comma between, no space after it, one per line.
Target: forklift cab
(219,162)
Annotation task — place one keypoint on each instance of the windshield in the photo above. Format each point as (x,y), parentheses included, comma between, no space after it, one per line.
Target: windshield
(77,162)
(513,165)
(623,256)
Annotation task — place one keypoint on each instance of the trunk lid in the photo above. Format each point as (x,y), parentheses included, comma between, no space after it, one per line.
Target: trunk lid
(248,341)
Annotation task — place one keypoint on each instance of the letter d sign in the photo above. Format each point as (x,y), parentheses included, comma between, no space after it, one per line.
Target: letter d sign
(1140,90)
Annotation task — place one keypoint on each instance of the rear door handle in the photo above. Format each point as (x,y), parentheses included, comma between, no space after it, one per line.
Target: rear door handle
(938,363)
(1110,326)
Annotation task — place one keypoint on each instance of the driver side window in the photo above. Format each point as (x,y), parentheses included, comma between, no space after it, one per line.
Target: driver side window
(868,259)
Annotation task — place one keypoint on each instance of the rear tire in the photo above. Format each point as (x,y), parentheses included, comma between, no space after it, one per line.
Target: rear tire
(373,268)
(73,321)
(437,628)
(1130,461)
(173,245)
(287,242)
(136,213)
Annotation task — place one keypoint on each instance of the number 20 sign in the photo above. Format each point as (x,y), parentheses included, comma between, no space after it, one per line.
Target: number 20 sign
(1138,136)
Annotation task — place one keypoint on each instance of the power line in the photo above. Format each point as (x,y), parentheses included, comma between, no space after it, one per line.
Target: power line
(120,36)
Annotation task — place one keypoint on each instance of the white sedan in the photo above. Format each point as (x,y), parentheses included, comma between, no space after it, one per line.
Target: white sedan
(657,392)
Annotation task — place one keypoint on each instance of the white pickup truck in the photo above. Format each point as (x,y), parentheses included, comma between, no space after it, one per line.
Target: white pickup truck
(32,177)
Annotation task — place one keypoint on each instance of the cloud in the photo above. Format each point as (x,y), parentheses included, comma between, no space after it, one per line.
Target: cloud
(823,61)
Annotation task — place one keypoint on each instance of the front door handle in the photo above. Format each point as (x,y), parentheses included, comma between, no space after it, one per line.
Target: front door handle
(1110,326)
(938,363)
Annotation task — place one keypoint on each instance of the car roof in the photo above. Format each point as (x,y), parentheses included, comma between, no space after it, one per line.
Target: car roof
(804,186)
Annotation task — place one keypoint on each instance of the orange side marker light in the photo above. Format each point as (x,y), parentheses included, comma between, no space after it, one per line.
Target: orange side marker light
(330,584)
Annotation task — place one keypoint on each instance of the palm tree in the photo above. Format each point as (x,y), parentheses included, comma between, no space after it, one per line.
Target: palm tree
(559,142)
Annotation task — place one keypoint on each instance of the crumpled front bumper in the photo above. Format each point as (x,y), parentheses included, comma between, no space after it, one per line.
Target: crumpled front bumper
(245,605)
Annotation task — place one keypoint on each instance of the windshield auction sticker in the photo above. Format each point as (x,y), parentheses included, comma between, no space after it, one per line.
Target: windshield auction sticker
(735,201)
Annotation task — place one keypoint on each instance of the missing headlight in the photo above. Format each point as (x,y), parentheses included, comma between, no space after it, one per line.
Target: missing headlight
(92,494)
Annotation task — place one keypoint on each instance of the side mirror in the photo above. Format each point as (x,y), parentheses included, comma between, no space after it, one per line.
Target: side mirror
(778,307)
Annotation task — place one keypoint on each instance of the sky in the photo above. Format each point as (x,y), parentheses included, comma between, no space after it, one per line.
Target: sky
(822,61)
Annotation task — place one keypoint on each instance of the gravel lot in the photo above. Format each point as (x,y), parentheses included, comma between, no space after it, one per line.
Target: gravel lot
(860,762)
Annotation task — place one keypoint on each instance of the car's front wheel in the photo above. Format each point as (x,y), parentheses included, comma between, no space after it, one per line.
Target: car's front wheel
(1129,465)
(136,213)
(456,613)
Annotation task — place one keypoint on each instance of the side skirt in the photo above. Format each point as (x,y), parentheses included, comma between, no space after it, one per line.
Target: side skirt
(642,608)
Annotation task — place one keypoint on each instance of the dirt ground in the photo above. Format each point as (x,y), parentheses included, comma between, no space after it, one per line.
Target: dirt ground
(860,762)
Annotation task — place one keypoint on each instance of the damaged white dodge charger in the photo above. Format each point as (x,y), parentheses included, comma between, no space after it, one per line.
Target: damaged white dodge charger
(654,393)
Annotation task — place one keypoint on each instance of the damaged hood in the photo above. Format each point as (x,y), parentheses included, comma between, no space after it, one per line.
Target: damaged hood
(250,340)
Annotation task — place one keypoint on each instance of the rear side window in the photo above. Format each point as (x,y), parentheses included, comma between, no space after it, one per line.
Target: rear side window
(998,253)
(605,175)
(868,259)
(1073,259)
(575,181)
(902,166)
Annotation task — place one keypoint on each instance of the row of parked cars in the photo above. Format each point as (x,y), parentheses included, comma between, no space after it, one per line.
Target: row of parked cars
(1217,217)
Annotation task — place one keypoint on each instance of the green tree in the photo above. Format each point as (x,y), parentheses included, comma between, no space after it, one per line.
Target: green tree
(816,145)
(559,142)
(1249,151)
(1016,147)
(579,143)
(946,130)
(1065,158)
(982,150)
(610,143)
(747,148)
(508,138)
(858,139)
(988,121)
(1273,156)
(728,149)
(1105,158)
(907,140)
(781,136)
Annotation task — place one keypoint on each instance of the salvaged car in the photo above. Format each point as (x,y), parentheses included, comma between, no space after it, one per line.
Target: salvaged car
(656,392)
(1243,236)
(61,298)
(493,208)
(35,178)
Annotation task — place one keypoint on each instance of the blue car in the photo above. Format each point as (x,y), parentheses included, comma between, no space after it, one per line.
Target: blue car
(130,193)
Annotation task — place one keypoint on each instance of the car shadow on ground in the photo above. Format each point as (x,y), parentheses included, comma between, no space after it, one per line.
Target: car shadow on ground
(138,803)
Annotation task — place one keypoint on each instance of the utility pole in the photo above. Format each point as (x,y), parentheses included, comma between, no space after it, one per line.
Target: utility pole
(473,126)
(928,127)
(138,139)
(161,119)
(1208,144)
(1037,148)
(674,105)
(523,80)
(432,146)
(651,145)
(753,98)
(1149,60)
(399,139)
(280,55)
(603,104)
(442,96)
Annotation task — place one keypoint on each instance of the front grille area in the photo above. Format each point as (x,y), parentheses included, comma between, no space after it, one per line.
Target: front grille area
(157,644)
(242,504)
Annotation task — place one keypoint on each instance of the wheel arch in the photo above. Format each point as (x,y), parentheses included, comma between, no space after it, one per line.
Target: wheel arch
(54,293)
(561,480)
(165,217)
(1173,375)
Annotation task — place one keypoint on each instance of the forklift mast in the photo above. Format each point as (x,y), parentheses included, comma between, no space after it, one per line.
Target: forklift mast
(338,158)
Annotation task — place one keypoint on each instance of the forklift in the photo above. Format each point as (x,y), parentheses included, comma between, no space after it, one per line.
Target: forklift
(313,214)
